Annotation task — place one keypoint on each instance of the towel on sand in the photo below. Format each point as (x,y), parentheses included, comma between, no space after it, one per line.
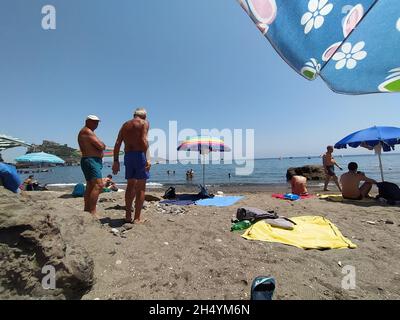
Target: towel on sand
(283,196)
(310,232)
(339,198)
(182,200)
(219,201)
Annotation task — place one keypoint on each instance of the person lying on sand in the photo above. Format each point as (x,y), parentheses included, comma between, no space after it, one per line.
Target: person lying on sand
(298,183)
(351,183)
(133,134)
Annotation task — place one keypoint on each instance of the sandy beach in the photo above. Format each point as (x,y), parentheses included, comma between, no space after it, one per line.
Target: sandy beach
(190,252)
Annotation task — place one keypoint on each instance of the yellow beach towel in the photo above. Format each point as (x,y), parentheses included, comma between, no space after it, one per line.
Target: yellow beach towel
(310,232)
(331,197)
(339,198)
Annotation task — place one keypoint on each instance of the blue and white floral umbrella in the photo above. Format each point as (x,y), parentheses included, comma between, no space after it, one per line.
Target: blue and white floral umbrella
(354,45)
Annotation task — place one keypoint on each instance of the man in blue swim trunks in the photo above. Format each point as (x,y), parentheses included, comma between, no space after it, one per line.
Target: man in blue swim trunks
(91,162)
(133,134)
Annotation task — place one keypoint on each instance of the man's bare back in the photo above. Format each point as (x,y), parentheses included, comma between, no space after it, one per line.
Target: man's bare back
(89,144)
(299,185)
(351,184)
(134,135)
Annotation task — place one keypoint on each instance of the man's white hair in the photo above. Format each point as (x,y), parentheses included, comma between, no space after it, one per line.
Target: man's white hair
(140,112)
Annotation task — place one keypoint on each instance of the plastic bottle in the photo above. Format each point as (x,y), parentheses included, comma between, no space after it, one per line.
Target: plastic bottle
(241,225)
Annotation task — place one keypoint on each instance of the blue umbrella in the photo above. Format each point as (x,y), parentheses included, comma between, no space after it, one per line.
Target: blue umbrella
(372,138)
(40,157)
(352,44)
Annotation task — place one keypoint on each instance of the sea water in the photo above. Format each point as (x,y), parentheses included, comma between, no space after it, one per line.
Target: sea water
(266,171)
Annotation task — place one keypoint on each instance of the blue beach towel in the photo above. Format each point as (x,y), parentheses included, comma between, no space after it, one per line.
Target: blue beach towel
(219,201)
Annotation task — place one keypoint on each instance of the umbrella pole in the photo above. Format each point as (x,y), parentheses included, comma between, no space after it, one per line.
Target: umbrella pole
(380,165)
(204,168)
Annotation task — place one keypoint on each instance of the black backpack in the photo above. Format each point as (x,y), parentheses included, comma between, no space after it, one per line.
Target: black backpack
(389,191)
(170,193)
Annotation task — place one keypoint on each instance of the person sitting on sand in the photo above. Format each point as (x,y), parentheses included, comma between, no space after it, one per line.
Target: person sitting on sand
(30,183)
(329,164)
(351,183)
(133,134)
(298,183)
(109,183)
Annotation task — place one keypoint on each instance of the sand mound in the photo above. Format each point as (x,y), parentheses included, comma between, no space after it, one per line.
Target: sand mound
(32,236)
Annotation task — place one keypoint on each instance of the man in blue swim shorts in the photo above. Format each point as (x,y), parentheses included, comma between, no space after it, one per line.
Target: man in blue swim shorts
(91,163)
(133,134)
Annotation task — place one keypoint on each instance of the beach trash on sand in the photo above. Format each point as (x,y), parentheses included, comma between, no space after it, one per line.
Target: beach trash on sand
(262,288)
(241,225)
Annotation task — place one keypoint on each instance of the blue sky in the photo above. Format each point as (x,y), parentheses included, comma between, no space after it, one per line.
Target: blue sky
(201,63)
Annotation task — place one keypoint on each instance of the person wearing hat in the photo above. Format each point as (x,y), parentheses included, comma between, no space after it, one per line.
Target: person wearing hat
(133,134)
(91,162)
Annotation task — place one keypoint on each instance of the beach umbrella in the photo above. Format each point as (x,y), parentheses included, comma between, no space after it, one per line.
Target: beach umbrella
(109,152)
(40,157)
(204,145)
(374,138)
(352,44)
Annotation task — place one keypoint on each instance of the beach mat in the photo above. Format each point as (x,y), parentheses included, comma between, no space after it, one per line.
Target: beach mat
(310,232)
(178,202)
(339,198)
(225,201)
(182,200)
(283,196)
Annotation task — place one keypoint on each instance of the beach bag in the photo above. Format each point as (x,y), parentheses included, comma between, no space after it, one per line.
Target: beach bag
(291,196)
(170,193)
(79,190)
(252,214)
(389,191)
(203,194)
(262,288)
(270,217)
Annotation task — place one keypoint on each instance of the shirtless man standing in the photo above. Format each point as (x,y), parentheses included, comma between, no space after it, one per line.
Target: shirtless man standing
(91,163)
(133,134)
(329,164)
(351,183)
